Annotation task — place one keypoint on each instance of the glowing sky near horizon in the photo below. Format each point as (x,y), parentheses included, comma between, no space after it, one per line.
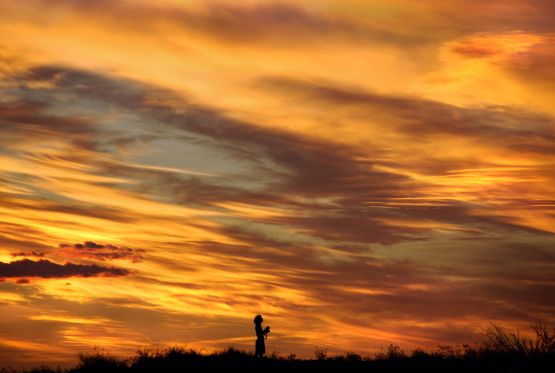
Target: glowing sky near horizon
(359,172)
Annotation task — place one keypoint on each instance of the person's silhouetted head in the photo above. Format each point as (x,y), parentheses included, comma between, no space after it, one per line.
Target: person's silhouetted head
(258,319)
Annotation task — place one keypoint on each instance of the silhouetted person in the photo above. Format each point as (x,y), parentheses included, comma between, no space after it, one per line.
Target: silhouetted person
(260,335)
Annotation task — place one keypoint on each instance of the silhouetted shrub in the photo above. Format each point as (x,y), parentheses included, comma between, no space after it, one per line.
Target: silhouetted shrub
(352,357)
(99,362)
(391,353)
(321,353)
(419,353)
(449,352)
(500,341)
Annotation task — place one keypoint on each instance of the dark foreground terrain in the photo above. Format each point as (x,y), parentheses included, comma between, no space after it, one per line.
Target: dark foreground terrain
(500,351)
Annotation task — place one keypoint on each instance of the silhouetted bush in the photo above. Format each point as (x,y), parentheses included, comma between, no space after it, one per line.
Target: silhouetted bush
(501,341)
(393,352)
(99,362)
(321,353)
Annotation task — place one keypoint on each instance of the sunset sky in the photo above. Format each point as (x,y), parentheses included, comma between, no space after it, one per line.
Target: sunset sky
(360,172)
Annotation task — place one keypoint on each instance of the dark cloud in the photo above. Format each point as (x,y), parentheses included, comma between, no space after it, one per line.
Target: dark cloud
(501,127)
(373,290)
(267,24)
(397,290)
(284,25)
(92,250)
(28,116)
(494,280)
(29,253)
(474,50)
(47,269)
(67,206)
